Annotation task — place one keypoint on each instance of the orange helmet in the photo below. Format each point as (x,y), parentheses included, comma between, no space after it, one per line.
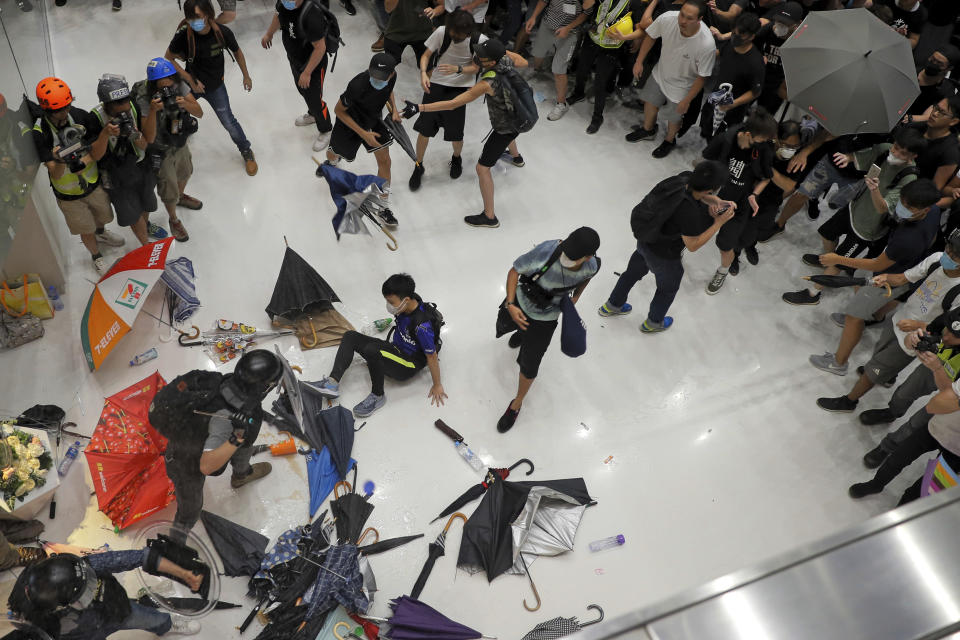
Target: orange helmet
(53,93)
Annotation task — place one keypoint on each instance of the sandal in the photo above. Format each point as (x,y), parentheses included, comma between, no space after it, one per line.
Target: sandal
(189,202)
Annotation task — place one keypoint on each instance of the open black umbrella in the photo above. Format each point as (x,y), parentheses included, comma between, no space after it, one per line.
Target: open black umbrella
(835,282)
(434,551)
(184,604)
(494,474)
(388,544)
(240,549)
(350,511)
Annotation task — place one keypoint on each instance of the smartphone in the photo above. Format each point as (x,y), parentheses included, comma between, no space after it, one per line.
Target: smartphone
(722,210)
(873,172)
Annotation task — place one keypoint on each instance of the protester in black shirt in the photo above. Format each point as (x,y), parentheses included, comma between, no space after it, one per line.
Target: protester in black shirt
(778,25)
(933,82)
(303,30)
(694,218)
(740,64)
(200,41)
(909,16)
(749,157)
(723,14)
(359,120)
(770,199)
(939,161)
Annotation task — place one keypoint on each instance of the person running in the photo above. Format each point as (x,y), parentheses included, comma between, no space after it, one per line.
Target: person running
(693,215)
(495,62)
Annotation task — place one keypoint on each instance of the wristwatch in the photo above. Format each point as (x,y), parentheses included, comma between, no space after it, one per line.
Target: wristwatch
(459,69)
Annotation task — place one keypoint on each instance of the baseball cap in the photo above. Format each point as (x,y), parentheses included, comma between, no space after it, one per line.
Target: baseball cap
(381,66)
(789,13)
(491,49)
(582,242)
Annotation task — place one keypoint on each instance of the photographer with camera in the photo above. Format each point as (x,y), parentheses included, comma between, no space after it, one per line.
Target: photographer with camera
(937,424)
(200,445)
(536,285)
(67,142)
(128,178)
(175,111)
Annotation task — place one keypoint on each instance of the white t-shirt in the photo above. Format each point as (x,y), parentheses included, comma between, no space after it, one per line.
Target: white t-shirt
(926,302)
(682,58)
(458,53)
(478,14)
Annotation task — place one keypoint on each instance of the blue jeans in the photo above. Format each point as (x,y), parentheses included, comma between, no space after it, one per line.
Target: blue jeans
(141,617)
(668,272)
(220,102)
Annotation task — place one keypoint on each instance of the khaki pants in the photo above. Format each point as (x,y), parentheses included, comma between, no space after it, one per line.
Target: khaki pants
(177,167)
(87,214)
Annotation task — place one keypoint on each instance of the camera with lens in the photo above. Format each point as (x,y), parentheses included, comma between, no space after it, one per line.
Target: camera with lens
(168,95)
(72,148)
(929,343)
(124,120)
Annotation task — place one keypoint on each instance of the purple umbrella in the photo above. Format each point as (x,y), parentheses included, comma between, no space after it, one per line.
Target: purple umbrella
(414,620)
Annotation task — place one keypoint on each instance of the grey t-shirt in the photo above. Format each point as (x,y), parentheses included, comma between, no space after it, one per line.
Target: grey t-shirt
(556,277)
(219,431)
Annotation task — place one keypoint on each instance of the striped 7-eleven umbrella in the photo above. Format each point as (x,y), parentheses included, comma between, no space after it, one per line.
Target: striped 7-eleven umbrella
(118,297)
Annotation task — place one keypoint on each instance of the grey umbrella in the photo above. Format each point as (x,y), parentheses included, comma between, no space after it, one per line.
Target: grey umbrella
(850,71)
(560,627)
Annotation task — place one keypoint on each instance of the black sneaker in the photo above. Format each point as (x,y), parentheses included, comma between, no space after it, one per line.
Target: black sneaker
(516,339)
(481,220)
(416,176)
(871,417)
(641,134)
(770,234)
(843,404)
(24,5)
(734,267)
(456,167)
(117,5)
(60,3)
(664,149)
(389,220)
(575,97)
(801,297)
(507,420)
(348,7)
(862,489)
(752,256)
(517,161)
(595,124)
(875,457)
(813,208)
(811,260)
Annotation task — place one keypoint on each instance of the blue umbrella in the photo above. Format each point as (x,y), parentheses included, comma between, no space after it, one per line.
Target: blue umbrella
(182,297)
(322,474)
(339,581)
(355,197)
(331,428)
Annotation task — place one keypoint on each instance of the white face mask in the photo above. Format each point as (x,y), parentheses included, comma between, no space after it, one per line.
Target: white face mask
(780,30)
(392,310)
(895,161)
(786,153)
(566,262)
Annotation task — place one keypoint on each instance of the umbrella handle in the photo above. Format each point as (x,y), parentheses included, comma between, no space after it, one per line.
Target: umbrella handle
(600,619)
(336,630)
(189,336)
(520,462)
(336,495)
(536,594)
(303,340)
(395,245)
(456,516)
(889,292)
(364,535)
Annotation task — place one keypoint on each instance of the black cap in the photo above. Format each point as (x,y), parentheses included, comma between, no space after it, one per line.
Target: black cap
(491,49)
(789,13)
(381,66)
(581,243)
(952,321)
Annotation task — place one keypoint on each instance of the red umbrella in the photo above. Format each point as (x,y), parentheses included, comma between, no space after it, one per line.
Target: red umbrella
(125,456)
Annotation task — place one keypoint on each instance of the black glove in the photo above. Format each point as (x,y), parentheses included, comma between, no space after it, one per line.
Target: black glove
(246,423)
(409,110)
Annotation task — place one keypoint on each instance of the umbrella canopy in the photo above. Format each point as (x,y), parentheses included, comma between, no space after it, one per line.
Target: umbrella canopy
(399,134)
(125,456)
(299,289)
(494,474)
(356,198)
(339,581)
(322,475)
(388,544)
(331,428)
(414,620)
(850,71)
(180,279)
(434,551)
(560,627)
(539,518)
(351,511)
(240,549)
(289,405)
(118,298)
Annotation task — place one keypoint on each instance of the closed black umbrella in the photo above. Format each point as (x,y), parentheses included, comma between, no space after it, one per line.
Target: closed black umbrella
(494,474)
(835,282)
(387,545)
(350,512)
(240,549)
(434,551)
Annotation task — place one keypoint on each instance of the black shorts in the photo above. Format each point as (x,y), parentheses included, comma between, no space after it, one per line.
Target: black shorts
(839,230)
(428,124)
(494,147)
(728,238)
(345,142)
(132,192)
(535,340)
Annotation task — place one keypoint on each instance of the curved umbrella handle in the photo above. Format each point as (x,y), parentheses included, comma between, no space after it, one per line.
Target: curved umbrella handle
(395,246)
(336,630)
(536,594)
(520,462)
(188,336)
(363,535)
(303,340)
(889,292)
(456,516)
(600,619)
(336,495)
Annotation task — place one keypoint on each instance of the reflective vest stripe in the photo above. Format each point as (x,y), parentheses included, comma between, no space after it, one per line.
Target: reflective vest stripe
(606,17)
(102,117)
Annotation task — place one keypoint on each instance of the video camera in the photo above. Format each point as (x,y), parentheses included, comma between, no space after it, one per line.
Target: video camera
(928,343)
(73,148)
(180,121)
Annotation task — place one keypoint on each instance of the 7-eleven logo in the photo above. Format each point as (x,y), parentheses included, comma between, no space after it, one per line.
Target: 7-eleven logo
(131,294)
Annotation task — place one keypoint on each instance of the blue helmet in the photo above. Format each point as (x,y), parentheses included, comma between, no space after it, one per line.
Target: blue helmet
(160,68)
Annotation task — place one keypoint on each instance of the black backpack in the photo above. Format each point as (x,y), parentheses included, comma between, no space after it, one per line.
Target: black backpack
(519,99)
(658,206)
(430,314)
(171,412)
(332,36)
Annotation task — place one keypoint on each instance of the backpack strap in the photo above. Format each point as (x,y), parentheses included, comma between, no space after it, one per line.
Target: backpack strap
(949,298)
(903,173)
(549,263)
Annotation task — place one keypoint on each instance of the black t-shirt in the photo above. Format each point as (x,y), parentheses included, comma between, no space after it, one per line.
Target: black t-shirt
(207,64)
(942,12)
(299,45)
(940,152)
(724,25)
(743,70)
(772,195)
(912,21)
(747,166)
(121,154)
(770,44)
(363,102)
(909,242)
(929,95)
(44,141)
(691,218)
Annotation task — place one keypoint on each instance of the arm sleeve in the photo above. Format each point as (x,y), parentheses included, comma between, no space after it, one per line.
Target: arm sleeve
(435,41)
(219,432)
(531,261)
(92,123)
(44,151)
(178,44)
(426,339)
(757,73)
(919,272)
(863,158)
(229,40)
(706,60)
(112,562)
(714,149)
(655,30)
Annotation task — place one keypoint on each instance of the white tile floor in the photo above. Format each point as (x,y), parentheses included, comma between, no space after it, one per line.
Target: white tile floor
(704,446)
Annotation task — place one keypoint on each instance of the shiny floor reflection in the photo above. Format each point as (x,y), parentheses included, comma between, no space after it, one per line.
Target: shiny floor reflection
(703,445)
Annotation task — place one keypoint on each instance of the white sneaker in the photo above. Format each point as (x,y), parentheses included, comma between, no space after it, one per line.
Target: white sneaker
(559,110)
(100,265)
(184,627)
(322,141)
(110,239)
(305,120)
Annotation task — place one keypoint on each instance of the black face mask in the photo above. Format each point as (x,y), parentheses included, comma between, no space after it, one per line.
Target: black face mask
(737,41)
(933,69)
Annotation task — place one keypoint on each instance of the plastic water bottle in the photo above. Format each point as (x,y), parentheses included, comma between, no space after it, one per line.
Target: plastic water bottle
(607,543)
(68,458)
(144,357)
(467,454)
(54,298)
(538,96)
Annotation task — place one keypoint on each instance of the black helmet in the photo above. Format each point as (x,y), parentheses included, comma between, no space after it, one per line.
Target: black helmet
(60,581)
(112,87)
(256,373)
